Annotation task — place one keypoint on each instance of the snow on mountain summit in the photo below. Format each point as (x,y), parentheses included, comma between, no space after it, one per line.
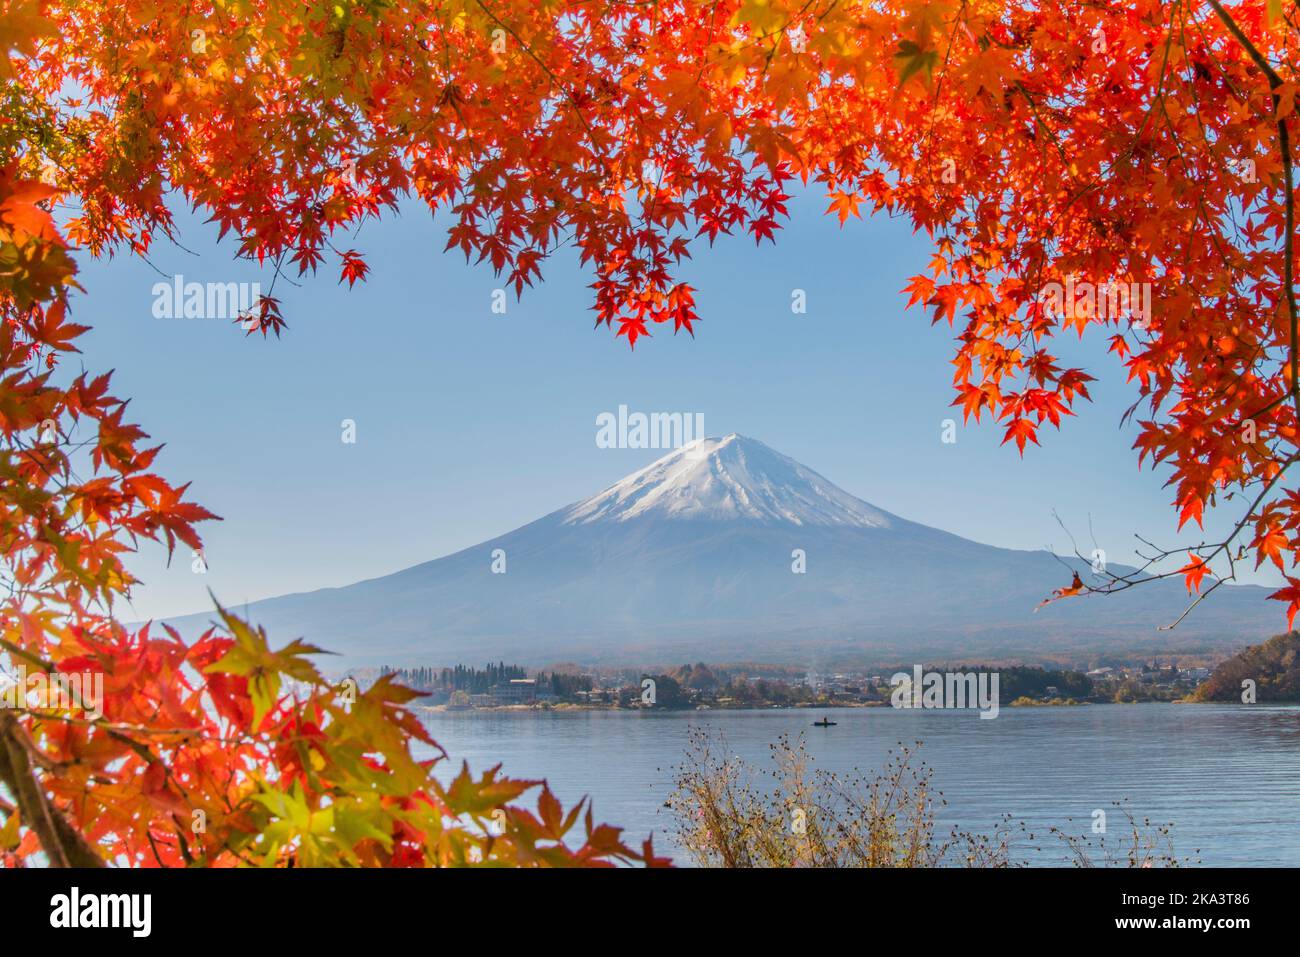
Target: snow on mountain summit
(733,477)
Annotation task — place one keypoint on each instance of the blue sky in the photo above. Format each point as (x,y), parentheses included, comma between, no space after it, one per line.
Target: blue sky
(470,424)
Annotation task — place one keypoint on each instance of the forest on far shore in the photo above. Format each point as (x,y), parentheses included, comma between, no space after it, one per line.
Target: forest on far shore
(1274,667)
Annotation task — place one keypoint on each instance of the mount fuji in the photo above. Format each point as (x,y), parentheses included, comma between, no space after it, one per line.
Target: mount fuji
(694,558)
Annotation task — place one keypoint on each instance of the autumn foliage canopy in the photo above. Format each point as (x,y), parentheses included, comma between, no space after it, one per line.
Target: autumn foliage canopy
(1071,146)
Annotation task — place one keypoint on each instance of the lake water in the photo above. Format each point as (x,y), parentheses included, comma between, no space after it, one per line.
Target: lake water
(1226,776)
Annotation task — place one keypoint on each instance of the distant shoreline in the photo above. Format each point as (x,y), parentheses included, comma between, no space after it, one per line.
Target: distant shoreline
(844,706)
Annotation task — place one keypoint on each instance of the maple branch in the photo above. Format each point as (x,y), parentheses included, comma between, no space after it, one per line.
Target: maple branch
(1284,146)
(1199,598)
(563,87)
(1033,107)
(23,653)
(1119,583)
(63,843)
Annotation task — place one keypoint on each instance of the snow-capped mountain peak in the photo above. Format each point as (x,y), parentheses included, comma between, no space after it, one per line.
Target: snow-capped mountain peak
(712,574)
(732,477)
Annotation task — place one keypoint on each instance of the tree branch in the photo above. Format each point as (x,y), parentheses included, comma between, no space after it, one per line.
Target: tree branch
(1284,145)
(63,844)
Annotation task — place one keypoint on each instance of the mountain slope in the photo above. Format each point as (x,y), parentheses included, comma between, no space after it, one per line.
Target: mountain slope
(691,558)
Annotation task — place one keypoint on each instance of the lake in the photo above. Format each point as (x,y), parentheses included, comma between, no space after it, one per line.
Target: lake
(1226,776)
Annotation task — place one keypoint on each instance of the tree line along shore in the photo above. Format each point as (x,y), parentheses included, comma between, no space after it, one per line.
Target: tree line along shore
(1265,673)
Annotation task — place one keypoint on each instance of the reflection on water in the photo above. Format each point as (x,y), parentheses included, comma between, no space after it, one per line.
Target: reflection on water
(1226,776)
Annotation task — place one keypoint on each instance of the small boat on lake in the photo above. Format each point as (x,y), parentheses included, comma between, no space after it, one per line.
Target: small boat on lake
(823,723)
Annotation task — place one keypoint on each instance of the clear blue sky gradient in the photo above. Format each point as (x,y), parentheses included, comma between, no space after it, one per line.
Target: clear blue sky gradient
(470,424)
